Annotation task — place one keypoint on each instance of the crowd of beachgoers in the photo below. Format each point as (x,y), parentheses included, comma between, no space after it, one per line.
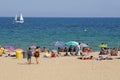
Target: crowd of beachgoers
(82,51)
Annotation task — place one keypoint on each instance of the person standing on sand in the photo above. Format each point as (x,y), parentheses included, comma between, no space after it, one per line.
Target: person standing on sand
(29,55)
(36,53)
(78,49)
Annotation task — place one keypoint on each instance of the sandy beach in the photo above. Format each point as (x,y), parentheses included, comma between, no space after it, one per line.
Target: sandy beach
(59,68)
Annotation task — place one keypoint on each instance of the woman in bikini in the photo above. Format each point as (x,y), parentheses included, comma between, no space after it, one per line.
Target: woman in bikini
(37,53)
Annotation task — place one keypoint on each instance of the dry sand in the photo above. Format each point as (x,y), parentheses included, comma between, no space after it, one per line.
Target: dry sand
(59,68)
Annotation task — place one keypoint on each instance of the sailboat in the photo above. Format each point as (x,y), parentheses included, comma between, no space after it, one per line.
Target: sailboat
(19,19)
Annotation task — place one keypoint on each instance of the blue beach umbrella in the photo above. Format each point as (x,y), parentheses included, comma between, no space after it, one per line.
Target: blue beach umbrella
(58,44)
(72,43)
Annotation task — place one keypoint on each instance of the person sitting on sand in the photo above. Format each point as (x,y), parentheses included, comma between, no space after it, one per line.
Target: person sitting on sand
(47,54)
(113,52)
(85,55)
(66,51)
(53,54)
(103,51)
(86,51)
(45,49)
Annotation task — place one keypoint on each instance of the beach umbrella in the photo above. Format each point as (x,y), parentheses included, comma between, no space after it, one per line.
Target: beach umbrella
(58,44)
(83,45)
(9,47)
(33,47)
(72,43)
(102,45)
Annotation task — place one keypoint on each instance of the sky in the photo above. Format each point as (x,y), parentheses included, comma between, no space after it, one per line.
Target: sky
(60,8)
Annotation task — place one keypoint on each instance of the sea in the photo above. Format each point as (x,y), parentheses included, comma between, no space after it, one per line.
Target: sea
(42,31)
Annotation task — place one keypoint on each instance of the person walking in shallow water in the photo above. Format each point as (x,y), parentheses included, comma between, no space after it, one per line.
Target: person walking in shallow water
(29,55)
(37,53)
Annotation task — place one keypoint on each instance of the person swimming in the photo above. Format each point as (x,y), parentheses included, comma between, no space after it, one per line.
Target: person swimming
(85,29)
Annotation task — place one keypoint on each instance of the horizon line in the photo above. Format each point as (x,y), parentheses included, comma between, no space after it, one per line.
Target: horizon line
(64,17)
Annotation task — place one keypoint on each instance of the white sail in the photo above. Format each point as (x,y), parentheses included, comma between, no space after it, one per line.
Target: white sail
(16,17)
(21,17)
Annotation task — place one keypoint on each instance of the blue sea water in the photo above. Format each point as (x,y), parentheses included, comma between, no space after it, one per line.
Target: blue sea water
(42,31)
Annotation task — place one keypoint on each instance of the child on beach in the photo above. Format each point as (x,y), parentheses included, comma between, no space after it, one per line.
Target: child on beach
(29,55)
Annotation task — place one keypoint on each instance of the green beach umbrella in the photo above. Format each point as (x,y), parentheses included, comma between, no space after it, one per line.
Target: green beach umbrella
(102,45)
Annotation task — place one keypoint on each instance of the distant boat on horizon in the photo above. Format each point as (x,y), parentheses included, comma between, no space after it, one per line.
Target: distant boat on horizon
(19,19)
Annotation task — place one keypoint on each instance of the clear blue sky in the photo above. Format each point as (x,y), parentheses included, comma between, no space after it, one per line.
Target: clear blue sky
(60,8)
